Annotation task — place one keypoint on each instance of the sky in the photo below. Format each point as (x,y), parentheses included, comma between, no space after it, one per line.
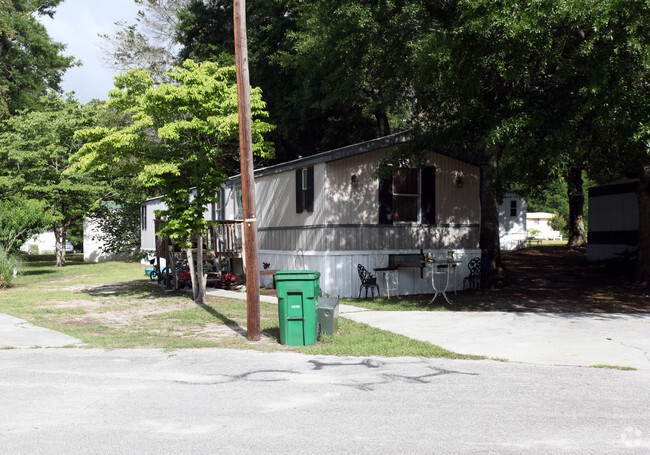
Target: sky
(77,24)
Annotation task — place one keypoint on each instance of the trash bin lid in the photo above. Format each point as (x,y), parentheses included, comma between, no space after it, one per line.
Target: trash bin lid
(286,275)
(328,302)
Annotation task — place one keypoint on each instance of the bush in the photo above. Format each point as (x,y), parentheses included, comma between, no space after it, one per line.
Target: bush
(7,264)
(33,248)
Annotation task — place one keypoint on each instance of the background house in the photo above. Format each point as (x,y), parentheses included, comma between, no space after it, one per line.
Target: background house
(94,246)
(329,212)
(541,221)
(43,243)
(512,222)
(613,220)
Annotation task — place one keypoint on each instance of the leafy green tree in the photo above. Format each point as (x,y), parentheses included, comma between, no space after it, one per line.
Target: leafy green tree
(31,63)
(549,87)
(20,220)
(353,52)
(308,119)
(35,147)
(175,141)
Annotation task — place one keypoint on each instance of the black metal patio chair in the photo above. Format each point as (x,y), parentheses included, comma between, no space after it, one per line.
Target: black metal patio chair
(368,281)
(474,277)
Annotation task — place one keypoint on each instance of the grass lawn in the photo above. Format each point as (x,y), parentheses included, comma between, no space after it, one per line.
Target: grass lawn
(114,305)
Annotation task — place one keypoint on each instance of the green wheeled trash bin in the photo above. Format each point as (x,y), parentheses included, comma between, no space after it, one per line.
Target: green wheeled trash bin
(298,292)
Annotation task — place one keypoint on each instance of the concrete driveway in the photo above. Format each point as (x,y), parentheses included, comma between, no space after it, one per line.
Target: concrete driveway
(621,340)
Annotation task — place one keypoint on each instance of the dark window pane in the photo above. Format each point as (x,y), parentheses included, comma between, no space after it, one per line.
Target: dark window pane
(406,181)
(405,208)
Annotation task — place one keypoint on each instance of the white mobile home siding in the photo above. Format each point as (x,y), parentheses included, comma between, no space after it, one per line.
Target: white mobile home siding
(147,223)
(345,218)
(344,230)
(94,245)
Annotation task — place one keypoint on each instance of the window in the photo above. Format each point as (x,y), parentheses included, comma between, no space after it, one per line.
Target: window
(408,196)
(305,189)
(513,208)
(239,204)
(215,207)
(143,217)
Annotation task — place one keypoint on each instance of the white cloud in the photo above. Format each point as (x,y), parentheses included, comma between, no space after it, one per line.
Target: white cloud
(77,23)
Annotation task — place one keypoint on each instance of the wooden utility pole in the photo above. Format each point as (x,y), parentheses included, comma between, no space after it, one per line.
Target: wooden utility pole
(247,177)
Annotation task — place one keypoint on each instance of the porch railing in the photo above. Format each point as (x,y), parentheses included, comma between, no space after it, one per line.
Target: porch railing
(226,238)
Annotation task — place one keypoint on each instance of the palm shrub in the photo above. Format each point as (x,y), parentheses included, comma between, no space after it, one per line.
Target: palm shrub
(8,262)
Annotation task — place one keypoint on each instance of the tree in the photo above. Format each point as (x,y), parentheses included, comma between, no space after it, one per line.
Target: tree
(35,147)
(31,63)
(149,43)
(20,220)
(353,53)
(308,120)
(178,134)
(551,87)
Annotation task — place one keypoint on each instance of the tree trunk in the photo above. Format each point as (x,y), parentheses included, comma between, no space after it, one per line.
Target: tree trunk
(60,232)
(190,264)
(491,264)
(577,236)
(383,128)
(199,295)
(643,196)
(171,267)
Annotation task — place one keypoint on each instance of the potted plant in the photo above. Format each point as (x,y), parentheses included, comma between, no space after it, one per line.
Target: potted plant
(227,280)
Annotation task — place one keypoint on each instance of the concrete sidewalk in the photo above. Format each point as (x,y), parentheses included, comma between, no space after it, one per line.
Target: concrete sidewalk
(621,340)
(17,333)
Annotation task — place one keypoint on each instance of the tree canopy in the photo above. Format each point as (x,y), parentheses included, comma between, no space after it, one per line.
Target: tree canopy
(308,120)
(179,139)
(35,150)
(20,220)
(31,64)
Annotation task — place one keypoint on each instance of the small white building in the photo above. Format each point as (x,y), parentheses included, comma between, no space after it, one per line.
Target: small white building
(613,220)
(512,222)
(94,245)
(541,222)
(43,243)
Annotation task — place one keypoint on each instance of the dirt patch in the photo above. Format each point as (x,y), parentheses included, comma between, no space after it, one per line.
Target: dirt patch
(124,287)
(131,307)
(559,279)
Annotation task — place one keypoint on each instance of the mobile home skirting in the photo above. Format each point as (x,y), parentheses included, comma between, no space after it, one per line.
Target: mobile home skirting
(338,269)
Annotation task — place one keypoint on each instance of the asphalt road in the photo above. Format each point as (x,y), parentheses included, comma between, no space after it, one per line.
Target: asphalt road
(76,401)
